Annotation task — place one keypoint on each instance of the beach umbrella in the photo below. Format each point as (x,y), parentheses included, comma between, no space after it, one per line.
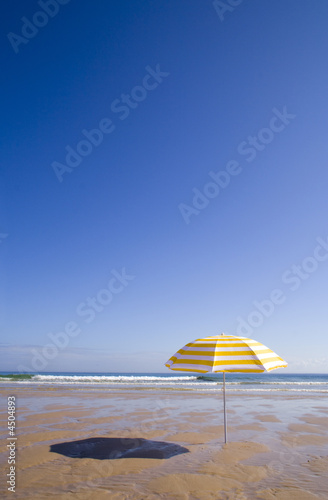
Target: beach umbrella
(225,353)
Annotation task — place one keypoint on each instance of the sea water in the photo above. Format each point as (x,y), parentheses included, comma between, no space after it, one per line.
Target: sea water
(235,382)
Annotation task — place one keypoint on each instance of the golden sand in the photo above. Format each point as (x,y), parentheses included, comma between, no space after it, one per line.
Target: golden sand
(145,445)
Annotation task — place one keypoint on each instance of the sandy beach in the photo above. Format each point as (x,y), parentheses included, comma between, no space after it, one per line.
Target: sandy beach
(97,443)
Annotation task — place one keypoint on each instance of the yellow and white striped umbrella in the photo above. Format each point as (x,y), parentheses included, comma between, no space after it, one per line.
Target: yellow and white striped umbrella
(225,353)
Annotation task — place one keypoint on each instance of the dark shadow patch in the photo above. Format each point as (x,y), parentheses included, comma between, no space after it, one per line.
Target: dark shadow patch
(113,448)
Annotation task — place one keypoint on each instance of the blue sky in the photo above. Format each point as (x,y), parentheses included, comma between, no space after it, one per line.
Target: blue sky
(138,205)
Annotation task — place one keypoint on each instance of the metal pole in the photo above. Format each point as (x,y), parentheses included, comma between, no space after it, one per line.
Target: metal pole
(224,409)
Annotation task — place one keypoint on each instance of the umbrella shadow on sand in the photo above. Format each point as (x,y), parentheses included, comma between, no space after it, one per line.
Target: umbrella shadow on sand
(101,448)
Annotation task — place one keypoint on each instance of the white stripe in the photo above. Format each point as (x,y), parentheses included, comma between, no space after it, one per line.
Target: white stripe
(274,363)
(225,342)
(224,349)
(267,355)
(216,369)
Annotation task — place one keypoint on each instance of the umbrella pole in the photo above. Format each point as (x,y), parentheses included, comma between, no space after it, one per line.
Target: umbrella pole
(224,410)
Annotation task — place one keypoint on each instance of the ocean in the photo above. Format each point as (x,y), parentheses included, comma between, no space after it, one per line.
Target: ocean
(235,382)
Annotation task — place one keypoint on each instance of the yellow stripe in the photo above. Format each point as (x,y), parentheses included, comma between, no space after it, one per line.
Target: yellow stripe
(274,367)
(223,353)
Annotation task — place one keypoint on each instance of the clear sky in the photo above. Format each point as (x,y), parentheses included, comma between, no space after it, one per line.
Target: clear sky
(120,241)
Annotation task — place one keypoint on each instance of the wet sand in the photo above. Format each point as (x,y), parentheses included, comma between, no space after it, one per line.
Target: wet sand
(100,443)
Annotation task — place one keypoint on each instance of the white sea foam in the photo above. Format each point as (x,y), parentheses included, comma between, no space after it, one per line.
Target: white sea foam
(170,380)
(110,378)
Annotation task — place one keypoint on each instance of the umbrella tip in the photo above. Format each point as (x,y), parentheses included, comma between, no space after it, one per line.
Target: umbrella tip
(222,333)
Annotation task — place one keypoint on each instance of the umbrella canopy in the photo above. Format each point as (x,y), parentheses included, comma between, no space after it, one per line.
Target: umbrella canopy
(225,353)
